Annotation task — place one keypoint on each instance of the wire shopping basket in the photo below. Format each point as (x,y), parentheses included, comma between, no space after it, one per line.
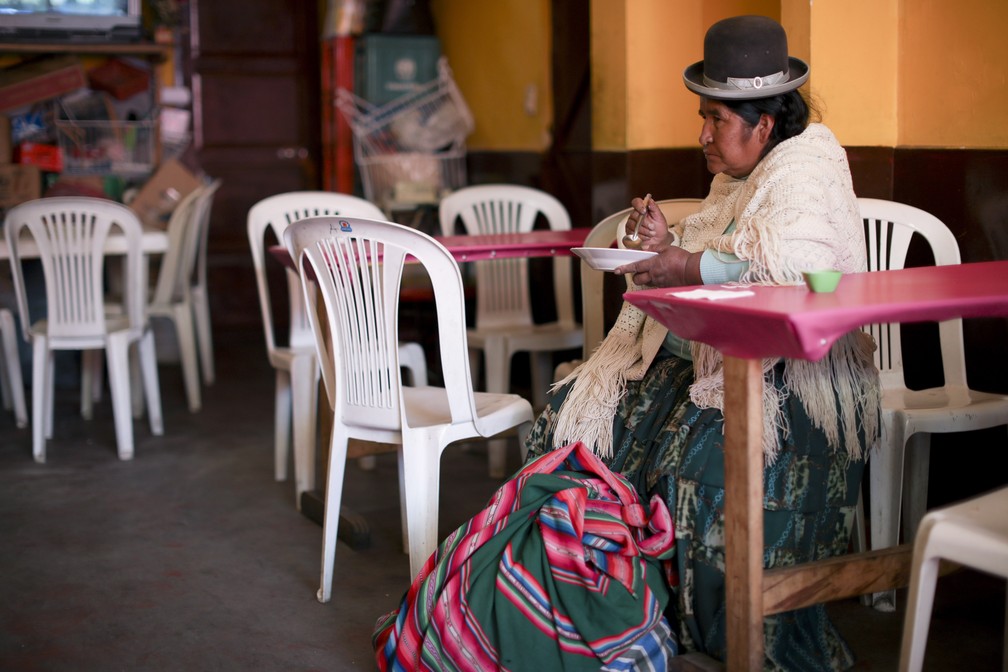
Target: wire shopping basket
(94,142)
(412,149)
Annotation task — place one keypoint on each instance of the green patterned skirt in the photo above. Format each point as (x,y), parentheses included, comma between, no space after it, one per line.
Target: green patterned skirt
(663,443)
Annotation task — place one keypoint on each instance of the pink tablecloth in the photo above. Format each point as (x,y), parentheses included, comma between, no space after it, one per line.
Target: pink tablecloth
(794,322)
(538,243)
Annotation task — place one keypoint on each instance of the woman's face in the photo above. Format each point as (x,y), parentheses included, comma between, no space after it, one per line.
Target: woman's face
(730,145)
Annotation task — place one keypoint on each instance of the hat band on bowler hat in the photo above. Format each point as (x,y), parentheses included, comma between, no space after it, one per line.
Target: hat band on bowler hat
(748,82)
(697,81)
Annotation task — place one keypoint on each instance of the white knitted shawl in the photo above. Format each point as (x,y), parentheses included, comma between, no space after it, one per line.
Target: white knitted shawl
(795,212)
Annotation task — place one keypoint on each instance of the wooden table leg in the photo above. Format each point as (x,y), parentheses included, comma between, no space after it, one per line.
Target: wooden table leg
(743,413)
(750,593)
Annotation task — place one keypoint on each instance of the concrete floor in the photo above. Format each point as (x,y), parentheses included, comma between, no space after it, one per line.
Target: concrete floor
(191,557)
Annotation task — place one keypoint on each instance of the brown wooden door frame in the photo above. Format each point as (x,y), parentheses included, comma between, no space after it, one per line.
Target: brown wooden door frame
(254,68)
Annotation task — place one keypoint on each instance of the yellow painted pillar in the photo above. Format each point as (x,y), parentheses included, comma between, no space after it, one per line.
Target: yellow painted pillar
(608,37)
(854,47)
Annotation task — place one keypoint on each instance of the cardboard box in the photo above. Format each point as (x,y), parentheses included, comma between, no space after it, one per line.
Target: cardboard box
(37,80)
(158,197)
(19,184)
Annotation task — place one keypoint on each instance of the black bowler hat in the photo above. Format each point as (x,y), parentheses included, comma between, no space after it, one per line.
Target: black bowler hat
(745,57)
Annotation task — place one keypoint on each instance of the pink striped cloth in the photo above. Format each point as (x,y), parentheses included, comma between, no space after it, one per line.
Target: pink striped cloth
(564,569)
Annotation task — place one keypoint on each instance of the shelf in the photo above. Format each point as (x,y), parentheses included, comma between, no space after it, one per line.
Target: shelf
(149,50)
(93,132)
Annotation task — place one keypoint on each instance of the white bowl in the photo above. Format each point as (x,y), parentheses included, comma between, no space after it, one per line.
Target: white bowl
(610,258)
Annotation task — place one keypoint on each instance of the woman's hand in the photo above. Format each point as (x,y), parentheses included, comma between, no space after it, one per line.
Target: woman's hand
(671,267)
(652,229)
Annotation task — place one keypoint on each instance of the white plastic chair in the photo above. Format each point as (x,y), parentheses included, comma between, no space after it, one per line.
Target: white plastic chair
(198,291)
(296,368)
(172,297)
(70,233)
(973,533)
(504,323)
(11,381)
(909,417)
(606,233)
(358,352)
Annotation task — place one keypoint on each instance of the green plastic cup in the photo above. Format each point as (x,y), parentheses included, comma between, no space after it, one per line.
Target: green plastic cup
(822,281)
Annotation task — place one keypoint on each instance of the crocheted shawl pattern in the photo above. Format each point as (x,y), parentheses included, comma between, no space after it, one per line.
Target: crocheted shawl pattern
(796,211)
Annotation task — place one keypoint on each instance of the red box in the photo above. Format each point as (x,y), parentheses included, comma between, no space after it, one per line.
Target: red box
(46,157)
(118,78)
(38,80)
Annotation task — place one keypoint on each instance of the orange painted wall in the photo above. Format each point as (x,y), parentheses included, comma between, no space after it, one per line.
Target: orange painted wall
(889,73)
(855,47)
(953,73)
(663,37)
(609,75)
(912,73)
(499,53)
(639,50)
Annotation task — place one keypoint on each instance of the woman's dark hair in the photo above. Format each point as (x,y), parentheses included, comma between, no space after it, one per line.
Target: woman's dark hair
(791,113)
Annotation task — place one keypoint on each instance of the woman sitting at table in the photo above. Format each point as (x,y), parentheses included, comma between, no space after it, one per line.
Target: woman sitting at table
(781,202)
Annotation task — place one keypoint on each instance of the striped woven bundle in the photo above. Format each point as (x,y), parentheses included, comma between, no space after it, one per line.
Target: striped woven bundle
(564,569)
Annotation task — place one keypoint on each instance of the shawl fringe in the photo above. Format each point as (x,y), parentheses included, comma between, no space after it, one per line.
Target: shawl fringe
(599,384)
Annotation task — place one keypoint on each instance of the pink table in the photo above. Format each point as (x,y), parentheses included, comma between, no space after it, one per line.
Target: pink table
(538,243)
(793,322)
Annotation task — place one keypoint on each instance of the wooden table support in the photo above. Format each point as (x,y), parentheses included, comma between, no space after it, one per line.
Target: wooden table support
(743,456)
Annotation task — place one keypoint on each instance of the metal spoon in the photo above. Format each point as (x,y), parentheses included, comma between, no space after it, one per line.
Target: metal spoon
(633,242)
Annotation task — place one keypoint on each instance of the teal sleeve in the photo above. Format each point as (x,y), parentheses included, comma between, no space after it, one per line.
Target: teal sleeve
(715,268)
(720,267)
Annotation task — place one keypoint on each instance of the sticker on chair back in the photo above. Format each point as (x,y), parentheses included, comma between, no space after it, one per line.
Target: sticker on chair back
(344,226)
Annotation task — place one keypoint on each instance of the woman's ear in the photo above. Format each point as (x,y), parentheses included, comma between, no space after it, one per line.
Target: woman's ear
(764,127)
